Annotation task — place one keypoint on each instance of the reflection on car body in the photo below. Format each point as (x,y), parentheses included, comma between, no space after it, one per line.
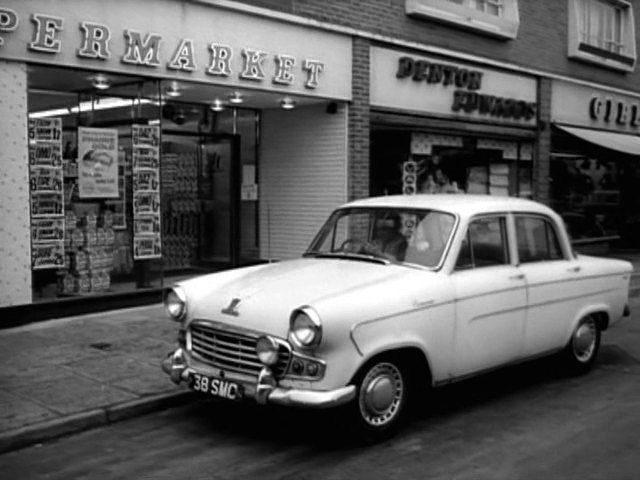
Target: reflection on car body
(393,292)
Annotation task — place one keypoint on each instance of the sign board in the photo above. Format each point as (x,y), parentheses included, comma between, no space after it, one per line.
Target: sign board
(195,41)
(428,85)
(586,106)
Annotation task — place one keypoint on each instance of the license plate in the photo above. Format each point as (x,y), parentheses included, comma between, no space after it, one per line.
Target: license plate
(217,387)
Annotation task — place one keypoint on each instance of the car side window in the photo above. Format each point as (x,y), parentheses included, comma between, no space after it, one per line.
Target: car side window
(537,240)
(485,244)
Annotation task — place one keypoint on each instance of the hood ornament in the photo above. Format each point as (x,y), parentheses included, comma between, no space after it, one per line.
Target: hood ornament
(232,308)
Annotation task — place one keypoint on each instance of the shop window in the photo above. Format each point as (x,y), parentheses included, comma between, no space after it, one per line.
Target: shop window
(602,32)
(499,18)
(596,195)
(455,164)
(87,238)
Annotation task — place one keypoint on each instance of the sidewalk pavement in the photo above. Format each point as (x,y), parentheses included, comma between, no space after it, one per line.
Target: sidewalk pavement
(66,375)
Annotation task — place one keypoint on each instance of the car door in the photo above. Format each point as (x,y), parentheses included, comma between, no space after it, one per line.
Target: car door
(553,289)
(490,299)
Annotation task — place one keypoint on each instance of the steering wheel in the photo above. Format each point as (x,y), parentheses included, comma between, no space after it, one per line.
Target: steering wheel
(351,244)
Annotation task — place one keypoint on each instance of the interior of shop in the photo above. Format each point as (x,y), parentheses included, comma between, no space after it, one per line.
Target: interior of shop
(408,161)
(167,189)
(595,191)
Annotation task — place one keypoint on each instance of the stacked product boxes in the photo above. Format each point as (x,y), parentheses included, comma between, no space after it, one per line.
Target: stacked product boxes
(90,248)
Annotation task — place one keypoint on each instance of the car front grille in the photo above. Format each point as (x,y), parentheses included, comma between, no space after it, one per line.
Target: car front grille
(230,348)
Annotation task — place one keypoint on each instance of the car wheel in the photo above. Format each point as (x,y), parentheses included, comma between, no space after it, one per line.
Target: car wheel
(582,349)
(380,400)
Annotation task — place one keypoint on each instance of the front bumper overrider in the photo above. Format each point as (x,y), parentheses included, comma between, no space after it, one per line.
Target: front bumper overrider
(266,389)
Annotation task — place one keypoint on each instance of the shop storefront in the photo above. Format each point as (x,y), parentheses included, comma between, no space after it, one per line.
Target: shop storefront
(595,166)
(140,147)
(444,126)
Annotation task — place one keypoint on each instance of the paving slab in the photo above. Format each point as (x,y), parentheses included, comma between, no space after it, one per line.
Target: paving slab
(79,372)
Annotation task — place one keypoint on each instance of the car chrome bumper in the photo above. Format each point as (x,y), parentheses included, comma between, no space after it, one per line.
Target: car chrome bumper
(266,389)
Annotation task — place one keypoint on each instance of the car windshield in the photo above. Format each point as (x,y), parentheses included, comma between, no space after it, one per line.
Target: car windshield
(386,234)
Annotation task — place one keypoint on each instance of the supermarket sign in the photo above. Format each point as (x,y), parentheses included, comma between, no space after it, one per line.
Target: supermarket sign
(190,41)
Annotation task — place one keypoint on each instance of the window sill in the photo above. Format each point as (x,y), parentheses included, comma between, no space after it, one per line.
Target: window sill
(604,58)
(505,28)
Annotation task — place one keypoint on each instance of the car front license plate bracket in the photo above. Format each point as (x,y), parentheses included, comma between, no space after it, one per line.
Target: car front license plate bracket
(217,387)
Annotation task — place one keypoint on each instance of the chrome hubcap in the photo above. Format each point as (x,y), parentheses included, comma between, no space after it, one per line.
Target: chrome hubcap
(584,340)
(381,394)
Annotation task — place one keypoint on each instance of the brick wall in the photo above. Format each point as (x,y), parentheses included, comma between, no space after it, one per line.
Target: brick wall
(543,143)
(359,122)
(541,41)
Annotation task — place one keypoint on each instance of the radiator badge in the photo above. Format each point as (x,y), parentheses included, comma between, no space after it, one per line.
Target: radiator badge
(232,308)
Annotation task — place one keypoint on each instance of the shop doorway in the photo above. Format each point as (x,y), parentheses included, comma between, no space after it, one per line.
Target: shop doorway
(201,202)
(219,184)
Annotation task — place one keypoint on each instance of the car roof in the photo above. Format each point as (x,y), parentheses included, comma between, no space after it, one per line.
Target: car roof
(459,203)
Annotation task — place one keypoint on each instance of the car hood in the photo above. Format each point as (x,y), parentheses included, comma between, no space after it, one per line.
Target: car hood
(263,297)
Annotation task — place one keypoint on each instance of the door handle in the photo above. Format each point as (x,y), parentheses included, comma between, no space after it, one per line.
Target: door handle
(519,276)
(574,269)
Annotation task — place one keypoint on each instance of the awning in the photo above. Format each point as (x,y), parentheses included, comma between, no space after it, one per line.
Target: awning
(619,142)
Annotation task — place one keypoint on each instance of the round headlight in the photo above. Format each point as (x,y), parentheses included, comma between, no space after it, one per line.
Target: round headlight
(267,350)
(305,328)
(175,303)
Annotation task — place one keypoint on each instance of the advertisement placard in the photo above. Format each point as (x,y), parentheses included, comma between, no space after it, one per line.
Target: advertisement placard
(46,184)
(47,255)
(146,192)
(45,179)
(97,162)
(146,247)
(47,229)
(45,154)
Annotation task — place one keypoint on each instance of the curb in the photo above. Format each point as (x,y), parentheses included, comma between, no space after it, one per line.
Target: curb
(56,428)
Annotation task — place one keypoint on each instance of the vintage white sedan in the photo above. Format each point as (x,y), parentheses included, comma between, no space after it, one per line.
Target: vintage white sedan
(396,293)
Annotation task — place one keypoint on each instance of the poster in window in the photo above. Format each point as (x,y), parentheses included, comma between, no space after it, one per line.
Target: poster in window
(146,247)
(146,135)
(46,185)
(145,157)
(47,255)
(146,225)
(45,129)
(97,162)
(45,179)
(45,154)
(47,229)
(146,181)
(146,192)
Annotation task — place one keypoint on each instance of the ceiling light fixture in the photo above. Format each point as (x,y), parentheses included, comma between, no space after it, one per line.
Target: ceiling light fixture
(236,98)
(288,103)
(100,82)
(103,103)
(217,105)
(173,90)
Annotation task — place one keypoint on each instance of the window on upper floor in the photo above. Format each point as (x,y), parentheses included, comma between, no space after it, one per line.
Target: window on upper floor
(498,18)
(602,32)
(490,7)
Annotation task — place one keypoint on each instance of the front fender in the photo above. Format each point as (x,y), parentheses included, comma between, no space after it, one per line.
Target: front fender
(429,329)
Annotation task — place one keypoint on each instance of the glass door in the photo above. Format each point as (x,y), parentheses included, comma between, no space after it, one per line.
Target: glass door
(218,194)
